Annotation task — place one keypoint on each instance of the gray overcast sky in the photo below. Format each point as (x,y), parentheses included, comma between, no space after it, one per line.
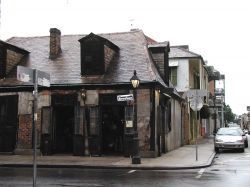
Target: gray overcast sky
(216,29)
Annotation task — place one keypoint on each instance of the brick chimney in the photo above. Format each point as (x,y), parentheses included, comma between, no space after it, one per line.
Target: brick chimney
(55,43)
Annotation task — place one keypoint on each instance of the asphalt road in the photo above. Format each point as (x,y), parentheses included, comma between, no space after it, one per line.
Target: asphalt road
(230,169)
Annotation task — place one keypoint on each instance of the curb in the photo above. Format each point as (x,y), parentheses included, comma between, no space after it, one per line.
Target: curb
(134,167)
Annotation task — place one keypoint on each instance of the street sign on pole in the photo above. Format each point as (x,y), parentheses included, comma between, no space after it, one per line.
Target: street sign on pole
(195,96)
(128,97)
(196,92)
(196,103)
(35,77)
(25,74)
(43,78)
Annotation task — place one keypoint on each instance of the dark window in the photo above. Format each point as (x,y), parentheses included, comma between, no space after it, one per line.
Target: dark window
(2,62)
(92,58)
(196,81)
(8,122)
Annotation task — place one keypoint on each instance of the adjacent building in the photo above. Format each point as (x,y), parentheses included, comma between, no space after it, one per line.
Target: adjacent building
(188,72)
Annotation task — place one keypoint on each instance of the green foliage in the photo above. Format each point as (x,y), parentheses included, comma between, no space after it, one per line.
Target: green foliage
(204,112)
(229,115)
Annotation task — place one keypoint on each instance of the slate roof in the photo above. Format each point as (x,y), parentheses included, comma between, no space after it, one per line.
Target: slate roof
(181,52)
(65,69)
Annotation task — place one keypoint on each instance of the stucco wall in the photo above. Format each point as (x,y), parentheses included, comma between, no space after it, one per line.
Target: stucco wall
(182,75)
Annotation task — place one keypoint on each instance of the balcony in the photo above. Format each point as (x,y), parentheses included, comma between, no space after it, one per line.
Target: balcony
(219,92)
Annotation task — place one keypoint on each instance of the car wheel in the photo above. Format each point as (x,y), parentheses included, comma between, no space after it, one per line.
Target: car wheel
(242,150)
(246,145)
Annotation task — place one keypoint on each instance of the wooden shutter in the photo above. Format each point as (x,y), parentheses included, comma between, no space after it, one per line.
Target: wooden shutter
(94,121)
(46,120)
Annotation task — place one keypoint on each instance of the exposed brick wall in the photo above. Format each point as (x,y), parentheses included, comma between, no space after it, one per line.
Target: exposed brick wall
(25,132)
(55,43)
(211,86)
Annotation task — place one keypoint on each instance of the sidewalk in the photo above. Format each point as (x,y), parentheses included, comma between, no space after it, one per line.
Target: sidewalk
(181,158)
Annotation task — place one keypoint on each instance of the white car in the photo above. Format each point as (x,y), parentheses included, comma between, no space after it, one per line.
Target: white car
(228,138)
(243,134)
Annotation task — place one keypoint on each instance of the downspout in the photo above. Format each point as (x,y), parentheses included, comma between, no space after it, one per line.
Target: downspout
(166,65)
(152,119)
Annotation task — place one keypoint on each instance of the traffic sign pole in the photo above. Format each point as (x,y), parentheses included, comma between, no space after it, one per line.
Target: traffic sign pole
(196,104)
(36,77)
(34,128)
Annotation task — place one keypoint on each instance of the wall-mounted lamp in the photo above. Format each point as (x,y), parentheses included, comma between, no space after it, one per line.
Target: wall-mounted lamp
(83,94)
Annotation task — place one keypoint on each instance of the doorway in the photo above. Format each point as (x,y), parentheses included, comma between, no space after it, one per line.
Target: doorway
(112,129)
(8,122)
(63,129)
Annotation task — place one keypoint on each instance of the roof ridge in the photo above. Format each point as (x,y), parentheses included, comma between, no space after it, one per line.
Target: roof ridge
(44,36)
(186,50)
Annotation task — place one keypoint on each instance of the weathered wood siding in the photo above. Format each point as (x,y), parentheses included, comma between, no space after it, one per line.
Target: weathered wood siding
(12,60)
(173,138)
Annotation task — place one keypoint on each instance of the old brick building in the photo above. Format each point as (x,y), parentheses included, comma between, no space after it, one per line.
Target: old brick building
(80,114)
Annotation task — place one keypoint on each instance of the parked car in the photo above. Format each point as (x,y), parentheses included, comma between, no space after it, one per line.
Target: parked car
(228,138)
(246,131)
(243,134)
(233,125)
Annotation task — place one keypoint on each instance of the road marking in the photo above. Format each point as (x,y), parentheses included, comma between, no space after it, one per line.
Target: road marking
(131,171)
(200,173)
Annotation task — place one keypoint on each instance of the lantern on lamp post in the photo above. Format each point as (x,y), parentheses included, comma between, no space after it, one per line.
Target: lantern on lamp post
(136,159)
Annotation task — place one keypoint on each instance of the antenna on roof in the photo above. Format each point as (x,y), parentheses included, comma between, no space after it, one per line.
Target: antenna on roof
(131,23)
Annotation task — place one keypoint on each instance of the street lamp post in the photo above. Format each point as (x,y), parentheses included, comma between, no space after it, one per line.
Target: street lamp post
(136,159)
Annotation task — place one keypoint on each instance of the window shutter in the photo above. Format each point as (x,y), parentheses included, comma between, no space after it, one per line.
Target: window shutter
(46,120)
(94,122)
(159,119)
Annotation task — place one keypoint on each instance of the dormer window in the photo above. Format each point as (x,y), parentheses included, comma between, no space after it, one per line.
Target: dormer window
(96,54)
(92,58)
(10,56)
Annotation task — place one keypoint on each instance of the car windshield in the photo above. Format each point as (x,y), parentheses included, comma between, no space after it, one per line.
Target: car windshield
(238,128)
(229,131)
